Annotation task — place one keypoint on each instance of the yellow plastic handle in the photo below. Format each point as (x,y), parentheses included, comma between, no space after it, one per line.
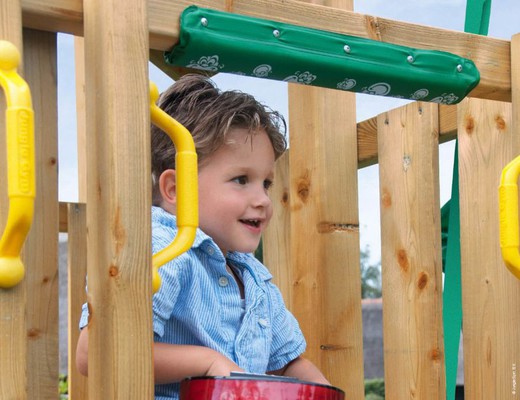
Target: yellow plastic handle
(509,229)
(187,187)
(20,166)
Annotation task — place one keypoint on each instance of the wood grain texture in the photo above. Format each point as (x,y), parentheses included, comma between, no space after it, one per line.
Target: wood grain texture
(13,339)
(276,238)
(119,200)
(411,253)
(77,296)
(41,250)
(324,226)
(490,293)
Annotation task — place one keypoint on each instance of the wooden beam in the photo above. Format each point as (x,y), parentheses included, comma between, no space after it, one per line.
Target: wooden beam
(367,134)
(492,56)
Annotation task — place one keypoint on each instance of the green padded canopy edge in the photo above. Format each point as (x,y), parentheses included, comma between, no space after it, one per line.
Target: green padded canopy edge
(477,21)
(218,41)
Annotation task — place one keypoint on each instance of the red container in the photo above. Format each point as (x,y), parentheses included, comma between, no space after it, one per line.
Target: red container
(256,388)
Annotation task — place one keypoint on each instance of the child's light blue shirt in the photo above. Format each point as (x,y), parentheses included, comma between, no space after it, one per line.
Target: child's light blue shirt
(199,304)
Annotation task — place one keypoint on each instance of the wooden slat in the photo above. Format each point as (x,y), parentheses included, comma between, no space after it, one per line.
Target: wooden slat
(325,274)
(118,212)
(490,293)
(367,134)
(81,131)
(492,56)
(276,239)
(77,271)
(41,248)
(411,253)
(325,234)
(13,339)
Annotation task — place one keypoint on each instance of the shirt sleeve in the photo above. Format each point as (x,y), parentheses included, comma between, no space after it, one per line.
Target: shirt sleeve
(288,341)
(164,300)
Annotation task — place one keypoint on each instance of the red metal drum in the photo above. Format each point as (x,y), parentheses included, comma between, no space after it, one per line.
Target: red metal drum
(252,387)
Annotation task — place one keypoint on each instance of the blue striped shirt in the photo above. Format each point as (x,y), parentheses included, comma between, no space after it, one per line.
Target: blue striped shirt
(199,303)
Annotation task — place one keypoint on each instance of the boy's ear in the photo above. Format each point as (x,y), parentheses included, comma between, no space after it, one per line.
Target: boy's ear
(168,186)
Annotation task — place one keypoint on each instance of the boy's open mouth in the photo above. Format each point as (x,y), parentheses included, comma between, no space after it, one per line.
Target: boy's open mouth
(252,222)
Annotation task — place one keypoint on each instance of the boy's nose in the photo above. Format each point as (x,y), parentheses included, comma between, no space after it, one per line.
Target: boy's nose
(261,198)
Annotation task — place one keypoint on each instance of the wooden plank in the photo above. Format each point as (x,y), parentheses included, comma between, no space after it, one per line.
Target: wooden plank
(490,293)
(77,271)
(119,200)
(367,134)
(492,56)
(81,130)
(13,339)
(325,250)
(411,253)
(276,238)
(41,248)
(325,276)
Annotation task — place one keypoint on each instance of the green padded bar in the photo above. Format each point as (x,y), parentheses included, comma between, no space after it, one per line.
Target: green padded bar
(217,41)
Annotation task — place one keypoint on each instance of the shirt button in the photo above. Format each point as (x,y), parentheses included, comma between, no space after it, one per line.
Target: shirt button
(223,281)
(264,323)
(211,251)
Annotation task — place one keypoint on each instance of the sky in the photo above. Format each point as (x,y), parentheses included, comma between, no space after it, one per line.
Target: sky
(446,14)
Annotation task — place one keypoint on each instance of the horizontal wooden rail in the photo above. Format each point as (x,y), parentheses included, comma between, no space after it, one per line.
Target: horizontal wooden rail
(367,134)
(492,56)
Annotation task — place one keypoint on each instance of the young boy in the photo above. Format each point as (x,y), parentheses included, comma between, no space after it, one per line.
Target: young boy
(217,310)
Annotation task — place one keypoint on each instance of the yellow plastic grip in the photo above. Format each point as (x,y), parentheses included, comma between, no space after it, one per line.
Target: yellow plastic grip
(20,166)
(187,187)
(508,214)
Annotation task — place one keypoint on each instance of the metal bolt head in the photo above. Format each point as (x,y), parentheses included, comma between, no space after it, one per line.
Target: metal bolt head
(204,21)
(459,68)
(346,49)
(410,59)
(276,33)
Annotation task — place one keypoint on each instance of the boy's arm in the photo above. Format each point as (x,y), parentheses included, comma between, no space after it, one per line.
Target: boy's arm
(304,370)
(172,363)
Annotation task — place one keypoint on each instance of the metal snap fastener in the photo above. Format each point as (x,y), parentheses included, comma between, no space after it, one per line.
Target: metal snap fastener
(223,281)
(204,21)
(276,33)
(410,59)
(346,48)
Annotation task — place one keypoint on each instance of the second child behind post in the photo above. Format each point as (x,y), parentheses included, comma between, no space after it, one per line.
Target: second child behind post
(217,310)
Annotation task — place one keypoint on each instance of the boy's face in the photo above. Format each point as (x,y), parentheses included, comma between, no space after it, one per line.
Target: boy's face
(234,206)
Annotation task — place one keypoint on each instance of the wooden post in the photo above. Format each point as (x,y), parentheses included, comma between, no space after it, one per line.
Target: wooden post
(325,275)
(411,253)
(490,293)
(13,339)
(119,200)
(41,247)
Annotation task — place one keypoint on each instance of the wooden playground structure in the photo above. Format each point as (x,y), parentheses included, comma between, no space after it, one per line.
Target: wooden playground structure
(316,188)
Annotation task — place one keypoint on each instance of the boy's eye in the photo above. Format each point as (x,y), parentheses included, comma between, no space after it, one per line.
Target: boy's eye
(241,180)
(267,184)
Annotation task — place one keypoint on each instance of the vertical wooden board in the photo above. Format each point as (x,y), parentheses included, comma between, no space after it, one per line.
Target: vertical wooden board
(13,340)
(325,229)
(77,271)
(411,253)
(276,238)
(490,293)
(79,64)
(119,200)
(41,248)
(326,292)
